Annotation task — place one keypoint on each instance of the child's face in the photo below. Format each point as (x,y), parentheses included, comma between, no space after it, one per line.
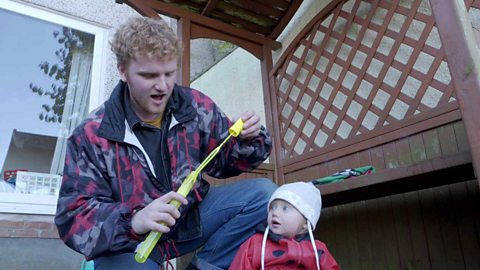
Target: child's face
(285,219)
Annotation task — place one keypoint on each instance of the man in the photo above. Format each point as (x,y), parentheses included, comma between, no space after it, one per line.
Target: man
(127,159)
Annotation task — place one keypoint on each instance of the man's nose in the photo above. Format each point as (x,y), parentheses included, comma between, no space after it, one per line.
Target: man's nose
(161,83)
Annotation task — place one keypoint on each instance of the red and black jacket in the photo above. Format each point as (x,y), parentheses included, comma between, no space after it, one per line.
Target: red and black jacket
(108,175)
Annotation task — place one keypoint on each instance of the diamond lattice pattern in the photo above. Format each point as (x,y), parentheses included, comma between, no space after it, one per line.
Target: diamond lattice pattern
(367,65)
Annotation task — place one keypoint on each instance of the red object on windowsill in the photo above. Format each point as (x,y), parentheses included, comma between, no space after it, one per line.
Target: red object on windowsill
(12,173)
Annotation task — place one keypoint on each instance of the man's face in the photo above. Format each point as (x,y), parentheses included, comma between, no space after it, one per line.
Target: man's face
(150,83)
(285,219)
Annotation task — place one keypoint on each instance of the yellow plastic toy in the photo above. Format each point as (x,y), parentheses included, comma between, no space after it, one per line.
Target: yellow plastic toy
(146,247)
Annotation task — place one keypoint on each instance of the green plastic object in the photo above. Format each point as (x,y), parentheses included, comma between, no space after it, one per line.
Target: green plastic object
(345,174)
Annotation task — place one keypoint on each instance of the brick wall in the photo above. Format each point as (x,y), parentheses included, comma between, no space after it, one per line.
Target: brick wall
(27,226)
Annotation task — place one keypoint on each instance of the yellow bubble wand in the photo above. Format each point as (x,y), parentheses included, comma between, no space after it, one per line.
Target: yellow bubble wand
(146,247)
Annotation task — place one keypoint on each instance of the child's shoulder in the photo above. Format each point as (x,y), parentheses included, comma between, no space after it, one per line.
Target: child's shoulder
(321,246)
(320,243)
(257,236)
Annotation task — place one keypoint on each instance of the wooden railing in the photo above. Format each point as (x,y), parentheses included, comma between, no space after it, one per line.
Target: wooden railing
(367,83)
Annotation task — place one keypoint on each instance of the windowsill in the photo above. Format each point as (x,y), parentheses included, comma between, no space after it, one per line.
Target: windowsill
(28,203)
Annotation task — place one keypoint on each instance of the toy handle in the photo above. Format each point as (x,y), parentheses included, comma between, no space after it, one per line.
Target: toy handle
(146,247)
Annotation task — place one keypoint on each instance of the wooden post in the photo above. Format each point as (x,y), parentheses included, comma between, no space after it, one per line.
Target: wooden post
(183,33)
(270,111)
(463,57)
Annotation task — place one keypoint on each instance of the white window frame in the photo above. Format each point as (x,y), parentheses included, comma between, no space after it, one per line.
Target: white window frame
(47,204)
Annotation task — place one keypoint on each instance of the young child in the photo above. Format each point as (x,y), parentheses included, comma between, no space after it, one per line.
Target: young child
(288,243)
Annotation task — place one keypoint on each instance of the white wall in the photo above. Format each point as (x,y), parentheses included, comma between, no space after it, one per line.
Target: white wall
(235,84)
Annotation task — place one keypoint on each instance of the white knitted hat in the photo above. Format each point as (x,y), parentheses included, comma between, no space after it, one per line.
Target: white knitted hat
(304,196)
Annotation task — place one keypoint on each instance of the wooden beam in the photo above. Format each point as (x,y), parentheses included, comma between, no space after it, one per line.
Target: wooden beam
(140,7)
(280,4)
(251,27)
(209,7)
(252,17)
(197,31)
(287,16)
(463,57)
(270,110)
(170,10)
(259,8)
(184,32)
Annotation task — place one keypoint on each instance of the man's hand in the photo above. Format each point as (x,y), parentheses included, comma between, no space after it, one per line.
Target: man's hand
(157,212)
(251,125)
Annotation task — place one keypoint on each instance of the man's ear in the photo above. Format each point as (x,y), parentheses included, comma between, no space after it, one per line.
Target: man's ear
(122,69)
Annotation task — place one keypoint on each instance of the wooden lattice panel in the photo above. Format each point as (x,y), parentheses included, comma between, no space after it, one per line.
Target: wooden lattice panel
(474,12)
(365,66)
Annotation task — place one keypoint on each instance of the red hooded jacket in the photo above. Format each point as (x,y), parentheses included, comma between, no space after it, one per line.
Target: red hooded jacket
(282,253)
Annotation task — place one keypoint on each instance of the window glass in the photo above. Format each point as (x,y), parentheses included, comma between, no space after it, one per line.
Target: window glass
(45,89)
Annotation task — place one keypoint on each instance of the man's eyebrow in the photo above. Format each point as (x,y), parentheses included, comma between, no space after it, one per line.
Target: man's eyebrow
(147,72)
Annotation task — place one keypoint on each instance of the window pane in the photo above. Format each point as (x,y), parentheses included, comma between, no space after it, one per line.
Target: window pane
(45,80)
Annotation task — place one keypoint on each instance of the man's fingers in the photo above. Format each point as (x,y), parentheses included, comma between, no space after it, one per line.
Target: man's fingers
(251,125)
(159,227)
(158,215)
(247,115)
(157,210)
(172,195)
(165,218)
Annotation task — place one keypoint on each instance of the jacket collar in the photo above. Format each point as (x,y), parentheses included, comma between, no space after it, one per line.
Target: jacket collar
(180,107)
(261,228)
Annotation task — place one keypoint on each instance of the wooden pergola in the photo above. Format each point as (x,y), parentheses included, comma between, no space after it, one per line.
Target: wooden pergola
(393,84)
(305,148)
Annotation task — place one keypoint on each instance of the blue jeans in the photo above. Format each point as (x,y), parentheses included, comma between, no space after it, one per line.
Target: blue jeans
(229,215)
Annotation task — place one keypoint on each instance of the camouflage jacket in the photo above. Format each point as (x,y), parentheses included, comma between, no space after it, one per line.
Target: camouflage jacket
(108,175)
